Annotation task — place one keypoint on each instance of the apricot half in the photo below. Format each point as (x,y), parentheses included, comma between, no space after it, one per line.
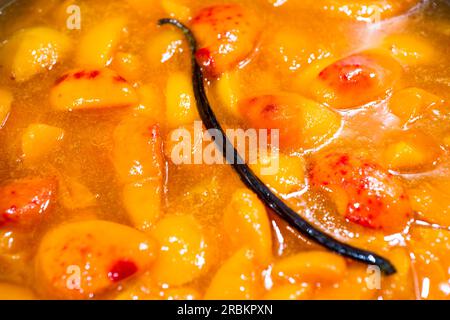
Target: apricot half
(352,81)
(301,123)
(227,35)
(84,259)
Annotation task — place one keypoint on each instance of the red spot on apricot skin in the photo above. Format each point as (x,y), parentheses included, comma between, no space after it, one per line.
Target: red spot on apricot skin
(155,131)
(94,74)
(352,72)
(270,108)
(205,59)
(83,74)
(79,74)
(84,250)
(61,79)
(356,80)
(119,79)
(121,270)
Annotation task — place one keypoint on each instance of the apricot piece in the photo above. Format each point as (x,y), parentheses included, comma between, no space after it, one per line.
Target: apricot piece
(410,151)
(352,81)
(358,283)
(97,46)
(288,174)
(14,292)
(410,103)
(184,250)
(239,278)
(142,201)
(290,51)
(142,288)
(137,150)
(127,65)
(82,260)
(165,46)
(228,89)
(151,103)
(431,201)
(302,123)
(32,51)
(430,262)
(246,222)
(180,100)
(24,203)
(311,267)
(409,49)
(375,198)
(75,195)
(405,154)
(290,292)
(92,89)
(400,285)
(176,9)
(40,140)
(144,6)
(6,99)
(227,34)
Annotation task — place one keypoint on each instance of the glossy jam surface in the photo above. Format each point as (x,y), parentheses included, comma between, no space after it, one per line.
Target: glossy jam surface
(93,204)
